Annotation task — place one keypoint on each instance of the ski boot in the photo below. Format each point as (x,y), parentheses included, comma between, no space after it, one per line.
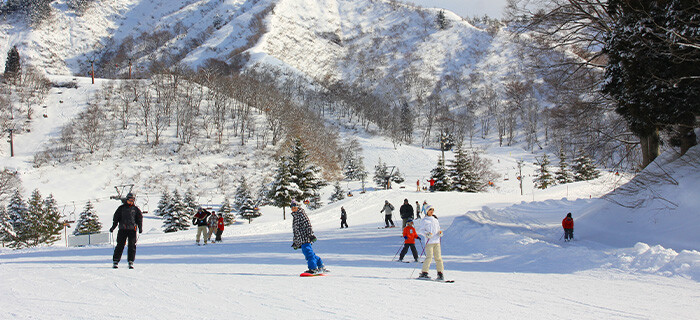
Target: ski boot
(115,265)
(440,276)
(423,275)
(131,264)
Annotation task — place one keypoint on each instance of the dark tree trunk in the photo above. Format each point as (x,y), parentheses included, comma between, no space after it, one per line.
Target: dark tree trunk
(651,147)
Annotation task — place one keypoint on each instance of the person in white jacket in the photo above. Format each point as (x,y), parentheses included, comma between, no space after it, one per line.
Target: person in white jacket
(430,229)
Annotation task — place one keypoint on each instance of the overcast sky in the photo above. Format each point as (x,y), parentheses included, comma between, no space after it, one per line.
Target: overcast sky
(466,8)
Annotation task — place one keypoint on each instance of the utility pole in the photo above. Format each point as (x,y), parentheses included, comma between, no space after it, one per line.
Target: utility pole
(12,145)
(520,175)
(92,70)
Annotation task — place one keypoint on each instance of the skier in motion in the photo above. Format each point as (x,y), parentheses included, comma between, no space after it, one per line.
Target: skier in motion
(430,229)
(303,237)
(129,219)
(387,210)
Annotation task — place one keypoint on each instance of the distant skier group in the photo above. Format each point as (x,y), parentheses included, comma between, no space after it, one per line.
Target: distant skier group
(208,223)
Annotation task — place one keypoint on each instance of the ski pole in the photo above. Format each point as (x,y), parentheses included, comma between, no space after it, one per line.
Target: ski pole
(397,252)
(421,255)
(562,235)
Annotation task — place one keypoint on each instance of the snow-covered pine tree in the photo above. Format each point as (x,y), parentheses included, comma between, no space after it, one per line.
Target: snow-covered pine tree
(462,174)
(164,203)
(306,175)
(353,162)
(247,210)
(381,174)
(17,214)
(177,214)
(242,194)
(315,201)
(584,169)
(441,20)
(190,205)
(50,224)
(397,177)
(225,210)
(262,199)
(442,180)
(338,193)
(89,222)
(13,66)
(544,178)
(282,190)
(7,232)
(35,212)
(563,174)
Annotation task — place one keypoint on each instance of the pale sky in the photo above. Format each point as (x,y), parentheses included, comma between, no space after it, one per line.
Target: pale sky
(466,8)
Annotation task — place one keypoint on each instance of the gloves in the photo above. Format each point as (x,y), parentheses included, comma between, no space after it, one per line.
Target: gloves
(295,247)
(405,238)
(419,238)
(440,233)
(140,231)
(313,238)
(429,235)
(111,229)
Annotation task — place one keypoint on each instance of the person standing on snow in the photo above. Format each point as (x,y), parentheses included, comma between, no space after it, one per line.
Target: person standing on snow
(211,223)
(343,218)
(303,237)
(406,212)
(568,224)
(200,220)
(129,219)
(410,236)
(388,209)
(430,228)
(219,227)
(417,210)
(425,203)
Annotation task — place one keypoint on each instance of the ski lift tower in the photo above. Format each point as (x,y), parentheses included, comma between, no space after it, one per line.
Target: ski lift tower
(387,184)
(122,191)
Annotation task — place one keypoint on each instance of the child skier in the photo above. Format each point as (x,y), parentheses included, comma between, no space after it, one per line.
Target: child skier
(410,236)
(303,237)
(430,228)
(568,224)
(219,227)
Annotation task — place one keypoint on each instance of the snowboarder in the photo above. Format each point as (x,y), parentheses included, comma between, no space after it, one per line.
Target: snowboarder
(430,228)
(211,223)
(388,209)
(417,210)
(406,212)
(129,219)
(303,237)
(219,227)
(410,236)
(343,218)
(568,224)
(200,220)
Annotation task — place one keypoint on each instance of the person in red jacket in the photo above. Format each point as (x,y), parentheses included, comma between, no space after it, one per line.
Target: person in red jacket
(219,227)
(568,224)
(410,236)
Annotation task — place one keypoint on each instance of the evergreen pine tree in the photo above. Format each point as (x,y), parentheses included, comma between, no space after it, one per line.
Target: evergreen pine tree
(50,224)
(282,190)
(315,201)
(175,215)
(190,206)
(263,195)
(338,193)
(442,180)
(563,174)
(381,174)
(397,176)
(35,212)
(17,214)
(89,222)
(12,64)
(442,20)
(7,232)
(544,178)
(584,169)
(462,173)
(247,210)
(163,204)
(306,175)
(225,210)
(242,195)
(406,123)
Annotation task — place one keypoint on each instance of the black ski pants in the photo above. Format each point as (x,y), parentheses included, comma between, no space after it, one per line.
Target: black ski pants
(218,235)
(122,237)
(568,234)
(343,223)
(388,220)
(413,250)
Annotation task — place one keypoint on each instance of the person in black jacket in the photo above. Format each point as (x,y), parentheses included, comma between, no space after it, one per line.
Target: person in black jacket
(406,212)
(201,221)
(129,219)
(343,218)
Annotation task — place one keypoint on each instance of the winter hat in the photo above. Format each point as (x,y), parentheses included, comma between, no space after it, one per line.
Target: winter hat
(427,207)
(568,215)
(409,220)
(293,204)
(130,196)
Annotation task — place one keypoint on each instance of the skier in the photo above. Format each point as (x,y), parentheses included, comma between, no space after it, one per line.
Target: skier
(410,236)
(303,237)
(568,224)
(219,227)
(430,228)
(406,212)
(425,203)
(417,210)
(129,218)
(343,218)
(211,223)
(200,220)
(432,184)
(388,209)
